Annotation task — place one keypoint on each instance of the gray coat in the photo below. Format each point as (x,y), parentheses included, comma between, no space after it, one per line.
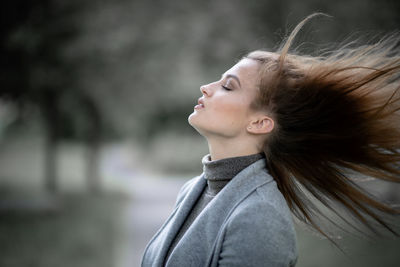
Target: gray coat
(247,224)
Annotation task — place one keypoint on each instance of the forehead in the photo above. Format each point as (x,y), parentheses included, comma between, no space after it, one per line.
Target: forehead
(246,70)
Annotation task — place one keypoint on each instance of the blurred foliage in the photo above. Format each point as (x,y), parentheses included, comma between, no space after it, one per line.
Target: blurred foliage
(133,68)
(34,71)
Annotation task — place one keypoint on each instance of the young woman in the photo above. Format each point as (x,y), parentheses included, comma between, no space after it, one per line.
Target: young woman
(279,125)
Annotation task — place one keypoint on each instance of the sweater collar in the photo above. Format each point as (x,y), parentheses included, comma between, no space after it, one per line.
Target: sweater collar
(219,172)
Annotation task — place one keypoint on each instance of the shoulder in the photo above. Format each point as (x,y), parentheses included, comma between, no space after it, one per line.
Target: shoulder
(265,223)
(265,206)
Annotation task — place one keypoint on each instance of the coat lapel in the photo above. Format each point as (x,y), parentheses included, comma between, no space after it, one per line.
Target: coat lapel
(159,245)
(196,246)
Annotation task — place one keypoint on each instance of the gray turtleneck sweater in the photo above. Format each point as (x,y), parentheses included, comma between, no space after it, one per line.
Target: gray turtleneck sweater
(217,173)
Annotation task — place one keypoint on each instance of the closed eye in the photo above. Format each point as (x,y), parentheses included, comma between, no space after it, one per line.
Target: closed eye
(226,88)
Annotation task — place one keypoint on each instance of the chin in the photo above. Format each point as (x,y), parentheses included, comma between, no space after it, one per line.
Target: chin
(194,123)
(192,119)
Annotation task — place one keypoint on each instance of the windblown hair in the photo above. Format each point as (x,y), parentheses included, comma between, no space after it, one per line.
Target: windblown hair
(336,117)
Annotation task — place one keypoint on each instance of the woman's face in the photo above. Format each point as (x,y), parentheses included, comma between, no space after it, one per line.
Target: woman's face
(224,109)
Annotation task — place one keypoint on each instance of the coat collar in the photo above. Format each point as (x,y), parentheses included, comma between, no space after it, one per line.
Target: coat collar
(158,247)
(215,213)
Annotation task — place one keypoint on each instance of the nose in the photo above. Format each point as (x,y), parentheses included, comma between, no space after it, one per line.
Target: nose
(205,90)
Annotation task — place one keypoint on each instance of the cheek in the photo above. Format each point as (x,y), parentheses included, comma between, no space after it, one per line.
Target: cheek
(232,111)
(229,109)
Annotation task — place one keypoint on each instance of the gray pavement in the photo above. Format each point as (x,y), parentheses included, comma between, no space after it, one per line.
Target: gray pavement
(150,196)
(152,201)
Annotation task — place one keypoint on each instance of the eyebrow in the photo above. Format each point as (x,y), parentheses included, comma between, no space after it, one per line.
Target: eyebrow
(234,77)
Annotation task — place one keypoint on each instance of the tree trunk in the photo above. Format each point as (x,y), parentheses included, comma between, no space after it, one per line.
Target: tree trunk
(92,167)
(93,140)
(50,164)
(51,119)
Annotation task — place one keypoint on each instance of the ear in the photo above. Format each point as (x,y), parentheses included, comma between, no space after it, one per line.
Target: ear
(261,125)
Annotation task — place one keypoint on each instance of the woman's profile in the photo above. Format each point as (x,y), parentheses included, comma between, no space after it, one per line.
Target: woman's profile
(283,129)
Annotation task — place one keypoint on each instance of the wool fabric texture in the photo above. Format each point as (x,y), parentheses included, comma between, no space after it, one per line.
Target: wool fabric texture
(217,174)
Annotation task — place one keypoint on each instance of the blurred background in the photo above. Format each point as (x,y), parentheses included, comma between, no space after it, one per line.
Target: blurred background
(94,100)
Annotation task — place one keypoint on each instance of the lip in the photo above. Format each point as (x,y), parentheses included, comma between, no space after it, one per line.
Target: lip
(200,104)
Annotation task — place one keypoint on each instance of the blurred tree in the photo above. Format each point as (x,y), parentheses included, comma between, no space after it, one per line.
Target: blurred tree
(34,35)
(140,63)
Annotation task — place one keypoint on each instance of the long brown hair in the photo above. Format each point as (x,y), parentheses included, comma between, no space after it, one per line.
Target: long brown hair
(336,117)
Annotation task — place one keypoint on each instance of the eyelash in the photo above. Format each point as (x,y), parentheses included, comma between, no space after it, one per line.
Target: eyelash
(226,88)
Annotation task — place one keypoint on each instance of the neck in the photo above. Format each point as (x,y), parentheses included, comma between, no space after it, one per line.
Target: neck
(227,148)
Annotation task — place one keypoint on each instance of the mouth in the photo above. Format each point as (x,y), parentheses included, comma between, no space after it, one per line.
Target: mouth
(200,104)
